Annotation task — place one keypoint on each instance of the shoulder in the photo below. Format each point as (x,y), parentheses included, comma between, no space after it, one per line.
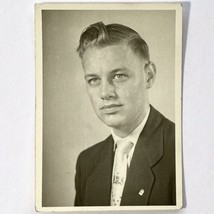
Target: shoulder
(169,128)
(97,147)
(94,152)
(165,126)
(168,134)
(169,138)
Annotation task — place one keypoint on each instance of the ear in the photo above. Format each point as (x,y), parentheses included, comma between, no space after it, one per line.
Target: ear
(150,74)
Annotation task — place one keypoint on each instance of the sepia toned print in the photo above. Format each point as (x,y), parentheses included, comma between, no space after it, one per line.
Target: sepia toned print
(108,131)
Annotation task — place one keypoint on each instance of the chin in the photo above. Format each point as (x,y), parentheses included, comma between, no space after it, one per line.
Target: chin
(112,122)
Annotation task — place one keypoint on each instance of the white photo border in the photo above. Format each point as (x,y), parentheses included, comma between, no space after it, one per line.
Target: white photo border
(39,96)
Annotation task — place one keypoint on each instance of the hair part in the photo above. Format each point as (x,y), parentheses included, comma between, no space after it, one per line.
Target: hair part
(100,35)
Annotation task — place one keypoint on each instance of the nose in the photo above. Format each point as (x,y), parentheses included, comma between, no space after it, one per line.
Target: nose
(107,90)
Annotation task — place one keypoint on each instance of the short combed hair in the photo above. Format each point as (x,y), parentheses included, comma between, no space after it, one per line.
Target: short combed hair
(100,35)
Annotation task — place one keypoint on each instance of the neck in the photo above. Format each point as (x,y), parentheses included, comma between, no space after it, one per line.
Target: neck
(125,130)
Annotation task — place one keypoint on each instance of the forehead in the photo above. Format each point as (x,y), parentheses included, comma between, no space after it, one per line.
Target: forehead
(108,57)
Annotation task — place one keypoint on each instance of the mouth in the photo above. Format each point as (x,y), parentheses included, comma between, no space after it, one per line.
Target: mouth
(111,109)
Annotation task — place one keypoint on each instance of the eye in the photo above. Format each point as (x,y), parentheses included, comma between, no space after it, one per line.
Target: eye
(119,77)
(93,81)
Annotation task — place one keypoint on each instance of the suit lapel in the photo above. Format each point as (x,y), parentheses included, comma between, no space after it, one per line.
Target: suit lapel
(139,178)
(98,186)
(148,152)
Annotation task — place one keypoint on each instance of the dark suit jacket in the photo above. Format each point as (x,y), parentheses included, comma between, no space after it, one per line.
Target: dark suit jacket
(152,168)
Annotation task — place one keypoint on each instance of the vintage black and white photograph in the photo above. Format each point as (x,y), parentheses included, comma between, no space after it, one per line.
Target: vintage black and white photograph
(108,106)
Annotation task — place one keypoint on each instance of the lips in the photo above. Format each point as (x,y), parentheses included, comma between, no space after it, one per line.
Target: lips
(110,109)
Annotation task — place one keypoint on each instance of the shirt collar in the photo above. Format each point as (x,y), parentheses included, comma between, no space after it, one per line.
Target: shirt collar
(134,135)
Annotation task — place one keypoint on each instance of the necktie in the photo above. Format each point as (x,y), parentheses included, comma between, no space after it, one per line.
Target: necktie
(120,170)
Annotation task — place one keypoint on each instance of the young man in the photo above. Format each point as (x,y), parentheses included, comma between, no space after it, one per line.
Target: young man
(135,165)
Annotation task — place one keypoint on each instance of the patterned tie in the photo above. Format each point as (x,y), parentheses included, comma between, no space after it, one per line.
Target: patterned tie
(120,171)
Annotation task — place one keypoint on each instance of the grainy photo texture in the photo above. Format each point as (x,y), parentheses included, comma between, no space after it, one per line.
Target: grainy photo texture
(108,116)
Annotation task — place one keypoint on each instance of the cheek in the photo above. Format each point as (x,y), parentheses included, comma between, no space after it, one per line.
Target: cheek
(133,91)
(93,98)
(134,94)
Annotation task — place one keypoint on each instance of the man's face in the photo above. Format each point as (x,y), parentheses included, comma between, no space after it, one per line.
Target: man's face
(117,85)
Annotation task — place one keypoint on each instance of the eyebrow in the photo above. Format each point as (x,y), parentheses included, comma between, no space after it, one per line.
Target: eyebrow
(112,72)
(90,75)
(119,69)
